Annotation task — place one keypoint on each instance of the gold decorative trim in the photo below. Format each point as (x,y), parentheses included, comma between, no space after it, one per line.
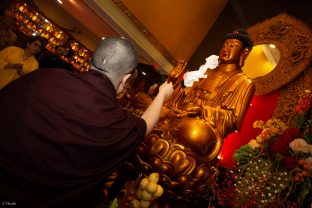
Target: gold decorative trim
(307,82)
(293,39)
(145,31)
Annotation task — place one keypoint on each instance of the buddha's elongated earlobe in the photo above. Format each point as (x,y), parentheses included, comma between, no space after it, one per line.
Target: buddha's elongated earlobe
(243,57)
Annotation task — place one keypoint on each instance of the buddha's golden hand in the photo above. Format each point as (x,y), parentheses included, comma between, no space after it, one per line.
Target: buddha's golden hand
(183,113)
(177,71)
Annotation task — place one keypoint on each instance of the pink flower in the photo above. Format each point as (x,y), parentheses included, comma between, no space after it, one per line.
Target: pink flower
(260,138)
(258,124)
(266,133)
(299,145)
(254,144)
(275,131)
(308,162)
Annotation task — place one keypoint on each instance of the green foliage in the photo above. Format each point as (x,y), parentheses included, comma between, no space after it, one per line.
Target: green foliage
(305,189)
(243,154)
(113,204)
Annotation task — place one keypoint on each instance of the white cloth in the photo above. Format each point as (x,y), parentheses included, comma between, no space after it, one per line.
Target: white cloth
(194,76)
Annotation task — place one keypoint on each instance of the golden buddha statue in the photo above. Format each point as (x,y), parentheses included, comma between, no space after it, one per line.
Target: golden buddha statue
(196,119)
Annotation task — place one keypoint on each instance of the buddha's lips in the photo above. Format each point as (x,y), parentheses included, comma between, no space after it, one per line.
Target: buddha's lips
(224,54)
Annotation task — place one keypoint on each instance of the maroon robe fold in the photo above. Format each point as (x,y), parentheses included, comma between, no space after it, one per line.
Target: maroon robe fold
(61,134)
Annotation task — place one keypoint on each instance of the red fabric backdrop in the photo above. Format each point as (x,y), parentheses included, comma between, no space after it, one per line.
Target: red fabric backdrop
(262,108)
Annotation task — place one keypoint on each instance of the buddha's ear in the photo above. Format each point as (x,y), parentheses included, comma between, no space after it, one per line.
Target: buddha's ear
(243,56)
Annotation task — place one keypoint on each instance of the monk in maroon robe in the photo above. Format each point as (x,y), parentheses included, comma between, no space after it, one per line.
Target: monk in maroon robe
(62,134)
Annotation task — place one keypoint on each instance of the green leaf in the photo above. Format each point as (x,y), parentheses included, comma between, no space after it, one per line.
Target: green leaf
(113,204)
(306,187)
(300,121)
(243,154)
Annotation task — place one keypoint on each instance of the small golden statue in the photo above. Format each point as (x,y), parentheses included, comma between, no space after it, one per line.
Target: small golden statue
(195,120)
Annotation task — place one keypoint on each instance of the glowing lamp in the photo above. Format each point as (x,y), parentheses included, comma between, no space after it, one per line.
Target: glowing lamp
(21,8)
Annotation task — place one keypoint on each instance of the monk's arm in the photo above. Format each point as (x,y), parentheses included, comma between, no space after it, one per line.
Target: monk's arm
(152,113)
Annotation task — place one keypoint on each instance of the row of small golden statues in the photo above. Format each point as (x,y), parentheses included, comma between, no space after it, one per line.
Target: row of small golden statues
(209,105)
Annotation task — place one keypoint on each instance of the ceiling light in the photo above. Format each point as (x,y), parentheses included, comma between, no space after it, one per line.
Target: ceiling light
(59,1)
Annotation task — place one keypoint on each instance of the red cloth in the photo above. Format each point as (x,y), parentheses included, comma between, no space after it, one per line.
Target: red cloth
(262,108)
(60,134)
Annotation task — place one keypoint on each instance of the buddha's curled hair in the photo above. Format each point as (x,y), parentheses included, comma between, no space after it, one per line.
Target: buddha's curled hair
(242,35)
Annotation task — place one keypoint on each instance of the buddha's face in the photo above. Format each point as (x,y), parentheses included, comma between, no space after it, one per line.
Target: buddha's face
(231,51)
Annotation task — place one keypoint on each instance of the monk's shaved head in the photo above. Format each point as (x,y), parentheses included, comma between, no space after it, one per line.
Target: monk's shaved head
(115,57)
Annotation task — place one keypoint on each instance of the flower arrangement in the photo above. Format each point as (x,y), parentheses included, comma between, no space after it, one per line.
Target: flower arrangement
(275,168)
